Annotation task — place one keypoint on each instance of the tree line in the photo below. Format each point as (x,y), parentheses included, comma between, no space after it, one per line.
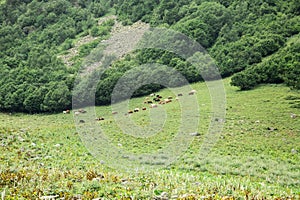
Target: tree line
(253,41)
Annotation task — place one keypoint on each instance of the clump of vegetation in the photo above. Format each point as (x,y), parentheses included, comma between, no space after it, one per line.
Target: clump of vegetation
(33,79)
(282,66)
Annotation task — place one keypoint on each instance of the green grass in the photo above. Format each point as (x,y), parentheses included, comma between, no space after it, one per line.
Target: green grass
(44,154)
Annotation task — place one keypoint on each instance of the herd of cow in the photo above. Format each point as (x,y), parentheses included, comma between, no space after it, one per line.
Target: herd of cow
(153,103)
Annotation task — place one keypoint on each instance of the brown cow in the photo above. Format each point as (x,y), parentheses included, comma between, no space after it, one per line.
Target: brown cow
(168,100)
(144,108)
(180,94)
(162,102)
(66,111)
(114,112)
(82,111)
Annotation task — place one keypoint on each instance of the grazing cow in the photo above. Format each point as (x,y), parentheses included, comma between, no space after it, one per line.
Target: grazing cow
(114,112)
(176,98)
(152,95)
(293,115)
(81,121)
(130,111)
(180,94)
(66,111)
(82,111)
(76,112)
(149,102)
(169,97)
(153,106)
(168,100)
(158,96)
(162,102)
(136,110)
(144,108)
(99,118)
(192,92)
(156,99)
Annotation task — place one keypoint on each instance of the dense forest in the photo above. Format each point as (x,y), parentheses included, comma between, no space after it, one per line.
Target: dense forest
(253,41)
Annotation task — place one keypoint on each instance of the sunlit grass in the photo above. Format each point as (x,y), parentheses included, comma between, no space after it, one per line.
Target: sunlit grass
(253,158)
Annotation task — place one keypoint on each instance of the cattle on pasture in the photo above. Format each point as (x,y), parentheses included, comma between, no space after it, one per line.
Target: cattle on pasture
(156,99)
(82,111)
(153,106)
(168,100)
(66,112)
(293,115)
(192,92)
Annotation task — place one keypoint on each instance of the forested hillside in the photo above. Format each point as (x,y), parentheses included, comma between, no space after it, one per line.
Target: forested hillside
(237,34)
(32,34)
(255,41)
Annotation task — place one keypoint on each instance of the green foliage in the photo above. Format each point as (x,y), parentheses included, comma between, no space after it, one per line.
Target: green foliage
(247,39)
(282,66)
(238,35)
(32,78)
(134,10)
(292,76)
(102,30)
(57,98)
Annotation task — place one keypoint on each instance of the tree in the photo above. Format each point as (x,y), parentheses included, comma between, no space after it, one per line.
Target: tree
(34,100)
(57,98)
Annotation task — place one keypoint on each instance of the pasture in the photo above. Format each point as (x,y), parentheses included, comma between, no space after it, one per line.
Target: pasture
(256,157)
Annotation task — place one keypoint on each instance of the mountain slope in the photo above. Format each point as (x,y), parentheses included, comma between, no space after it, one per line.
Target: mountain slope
(37,72)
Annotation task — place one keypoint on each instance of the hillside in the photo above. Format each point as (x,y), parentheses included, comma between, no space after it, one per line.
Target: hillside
(255,157)
(38,71)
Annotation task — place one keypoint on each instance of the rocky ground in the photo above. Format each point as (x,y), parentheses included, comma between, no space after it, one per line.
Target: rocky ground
(122,39)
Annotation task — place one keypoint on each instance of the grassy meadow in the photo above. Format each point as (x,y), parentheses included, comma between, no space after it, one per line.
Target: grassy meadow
(257,155)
